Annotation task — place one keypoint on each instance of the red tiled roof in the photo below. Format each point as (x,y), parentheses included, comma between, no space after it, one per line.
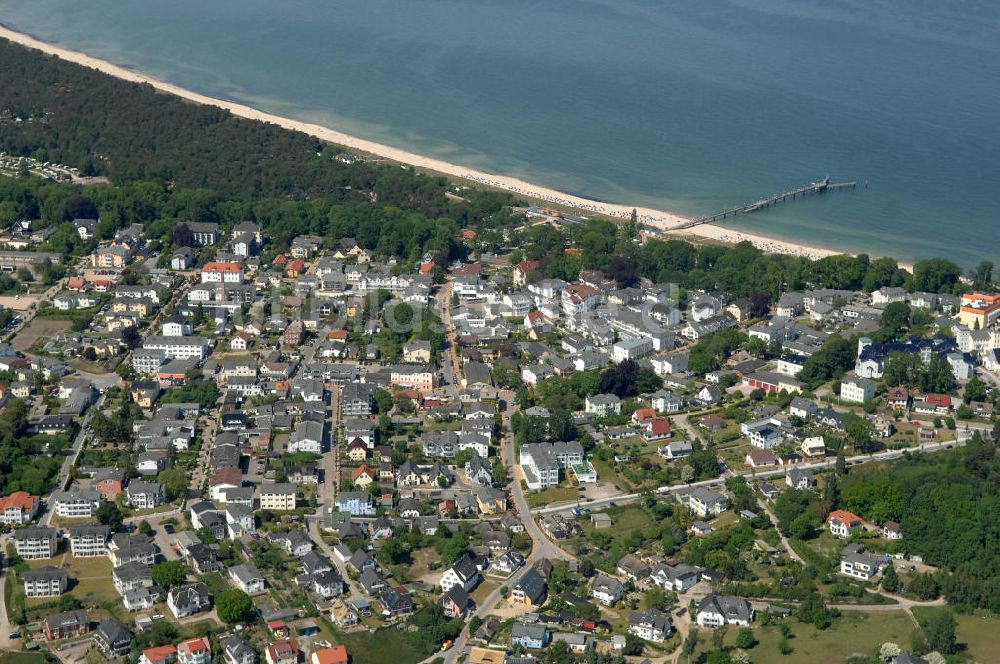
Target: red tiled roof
(938,400)
(363,470)
(21,500)
(334,655)
(526,267)
(282,649)
(659,426)
(843,516)
(228,475)
(159,653)
(643,414)
(222,266)
(194,645)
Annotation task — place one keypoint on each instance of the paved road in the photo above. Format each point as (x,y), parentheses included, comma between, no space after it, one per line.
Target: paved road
(314,528)
(904,604)
(450,359)
(542,547)
(330,462)
(962,436)
(6,643)
(784,540)
(70,461)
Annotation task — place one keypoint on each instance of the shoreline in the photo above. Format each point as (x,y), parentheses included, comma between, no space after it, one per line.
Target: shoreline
(659,219)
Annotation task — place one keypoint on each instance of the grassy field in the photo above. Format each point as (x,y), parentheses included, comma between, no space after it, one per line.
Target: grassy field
(627,521)
(81,364)
(850,634)
(482,591)
(418,568)
(90,579)
(552,495)
(216,582)
(26,658)
(388,644)
(606,473)
(978,633)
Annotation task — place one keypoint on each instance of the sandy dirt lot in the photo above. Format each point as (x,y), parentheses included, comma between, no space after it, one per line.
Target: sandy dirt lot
(18,304)
(39,328)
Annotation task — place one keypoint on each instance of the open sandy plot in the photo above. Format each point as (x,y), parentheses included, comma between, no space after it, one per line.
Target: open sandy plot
(16,303)
(39,328)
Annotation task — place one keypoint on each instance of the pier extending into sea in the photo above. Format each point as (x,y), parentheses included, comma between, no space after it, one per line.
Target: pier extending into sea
(813,188)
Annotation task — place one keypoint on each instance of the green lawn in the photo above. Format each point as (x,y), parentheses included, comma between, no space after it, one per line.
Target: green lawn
(90,581)
(388,644)
(552,495)
(978,632)
(216,583)
(852,633)
(26,658)
(606,473)
(614,542)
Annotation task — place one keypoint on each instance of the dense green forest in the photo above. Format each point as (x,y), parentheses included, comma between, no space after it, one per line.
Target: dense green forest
(172,160)
(741,270)
(131,132)
(947,505)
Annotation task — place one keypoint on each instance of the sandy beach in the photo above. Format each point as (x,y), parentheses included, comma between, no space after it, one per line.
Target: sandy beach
(656,218)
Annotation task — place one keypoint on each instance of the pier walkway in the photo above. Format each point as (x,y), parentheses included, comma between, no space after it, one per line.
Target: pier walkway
(813,188)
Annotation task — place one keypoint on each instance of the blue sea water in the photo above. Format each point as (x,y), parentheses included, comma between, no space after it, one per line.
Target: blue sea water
(685,106)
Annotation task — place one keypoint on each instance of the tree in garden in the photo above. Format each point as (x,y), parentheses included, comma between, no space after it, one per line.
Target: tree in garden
(924,586)
(691,643)
(110,515)
(233,606)
(895,318)
(647,381)
(633,646)
(940,631)
(740,657)
(982,275)
(394,552)
(499,473)
(890,580)
(860,432)
(169,573)
(889,650)
(935,275)
(175,482)
(975,390)
(182,235)
(745,639)
(621,379)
